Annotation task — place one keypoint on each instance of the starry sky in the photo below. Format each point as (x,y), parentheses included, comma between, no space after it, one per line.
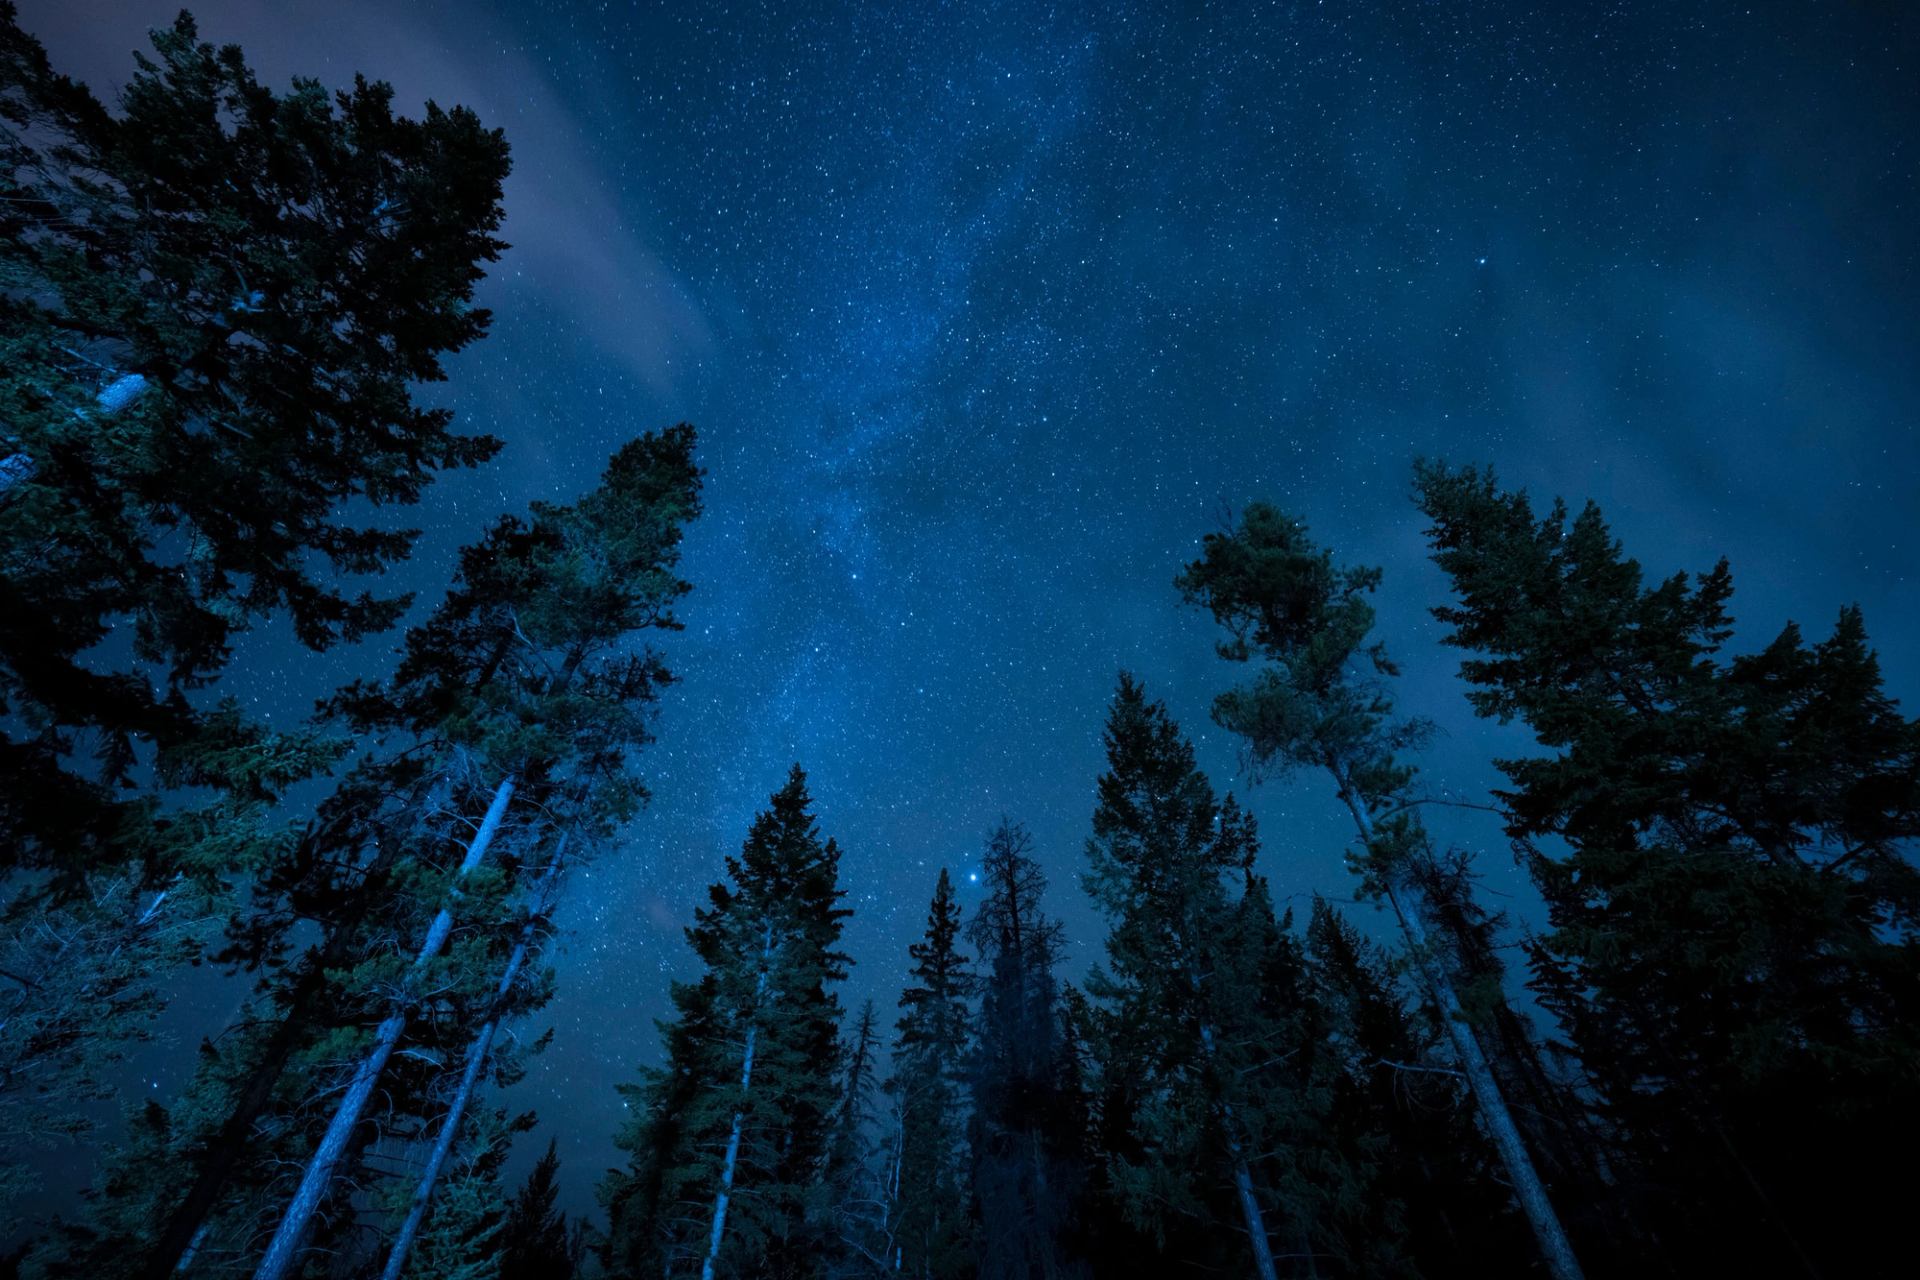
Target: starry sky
(987,311)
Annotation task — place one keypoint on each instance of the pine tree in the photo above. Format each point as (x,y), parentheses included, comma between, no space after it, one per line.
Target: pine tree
(1025,1133)
(479,1056)
(1184,1033)
(859,1188)
(217,301)
(528,670)
(1733,915)
(928,1061)
(1320,705)
(1401,1114)
(79,995)
(560,706)
(730,1138)
(468,1236)
(209,351)
(535,1243)
(858,1082)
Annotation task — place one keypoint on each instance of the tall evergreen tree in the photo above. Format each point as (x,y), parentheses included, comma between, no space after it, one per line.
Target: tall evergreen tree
(1428,1196)
(468,1237)
(729,1139)
(860,1192)
(529,671)
(561,705)
(929,1058)
(535,1241)
(215,303)
(1024,1136)
(478,1058)
(1319,704)
(1186,1039)
(1726,848)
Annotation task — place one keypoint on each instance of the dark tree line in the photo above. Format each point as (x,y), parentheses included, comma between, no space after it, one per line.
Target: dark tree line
(1725,850)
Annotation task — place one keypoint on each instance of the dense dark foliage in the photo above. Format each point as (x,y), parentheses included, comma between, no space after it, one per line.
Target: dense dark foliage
(215,304)
(1725,846)
(729,1136)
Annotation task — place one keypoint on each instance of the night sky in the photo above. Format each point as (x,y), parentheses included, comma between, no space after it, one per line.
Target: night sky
(987,312)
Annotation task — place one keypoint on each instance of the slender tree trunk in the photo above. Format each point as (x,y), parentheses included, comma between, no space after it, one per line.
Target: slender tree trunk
(476,1060)
(1527,1187)
(287,1240)
(1230,1123)
(1242,1175)
(177,1242)
(725,1193)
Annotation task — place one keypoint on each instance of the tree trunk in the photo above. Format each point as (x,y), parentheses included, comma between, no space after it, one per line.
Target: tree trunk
(175,1247)
(476,1059)
(18,468)
(1242,1175)
(1230,1125)
(314,1182)
(725,1193)
(1555,1249)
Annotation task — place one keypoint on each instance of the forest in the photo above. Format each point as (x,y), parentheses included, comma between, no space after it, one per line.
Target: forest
(219,306)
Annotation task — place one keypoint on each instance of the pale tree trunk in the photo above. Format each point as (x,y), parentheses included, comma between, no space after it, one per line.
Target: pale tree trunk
(18,468)
(476,1061)
(725,1193)
(1230,1124)
(186,1227)
(1242,1175)
(281,1252)
(1555,1249)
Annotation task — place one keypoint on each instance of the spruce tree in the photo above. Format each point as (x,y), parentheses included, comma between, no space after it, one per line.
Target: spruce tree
(562,702)
(1320,704)
(1024,1134)
(929,1054)
(730,1138)
(1188,1047)
(860,1194)
(1401,1114)
(535,1242)
(1725,845)
(210,346)
(468,1238)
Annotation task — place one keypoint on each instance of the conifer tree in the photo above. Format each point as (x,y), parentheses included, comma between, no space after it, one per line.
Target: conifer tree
(1024,1135)
(210,340)
(1399,1112)
(531,660)
(860,1193)
(561,704)
(478,1058)
(929,1057)
(468,1237)
(535,1241)
(1733,945)
(858,1082)
(1185,1035)
(1319,704)
(729,1139)
(215,303)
